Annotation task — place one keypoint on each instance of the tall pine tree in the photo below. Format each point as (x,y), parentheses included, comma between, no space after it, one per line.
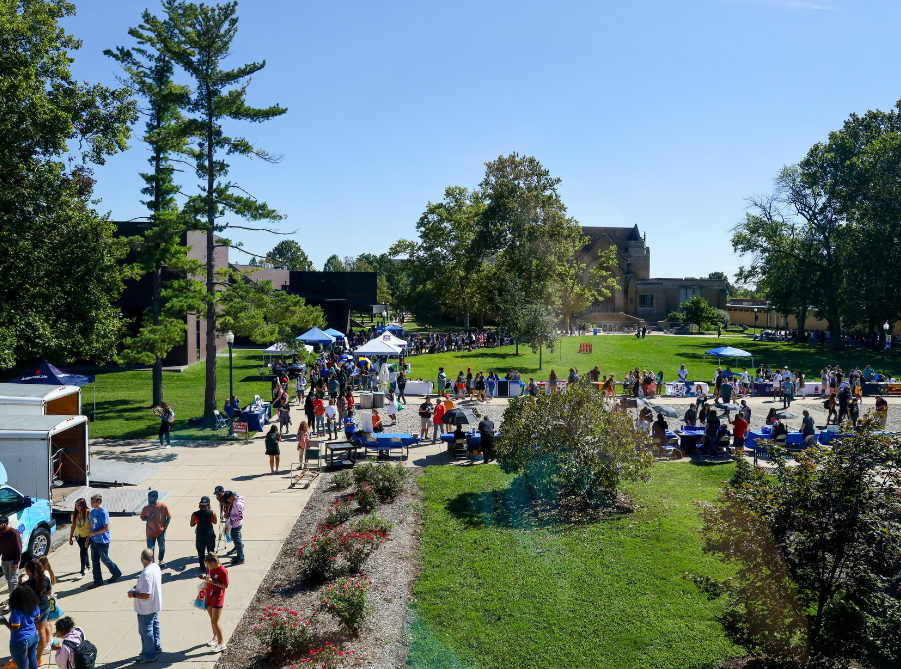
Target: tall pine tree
(204,40)
(149,72)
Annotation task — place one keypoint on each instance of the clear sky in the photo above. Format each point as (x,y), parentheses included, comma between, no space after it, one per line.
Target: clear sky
(665,114)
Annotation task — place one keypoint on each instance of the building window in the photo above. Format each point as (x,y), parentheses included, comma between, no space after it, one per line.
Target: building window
(645,301)
(686,294)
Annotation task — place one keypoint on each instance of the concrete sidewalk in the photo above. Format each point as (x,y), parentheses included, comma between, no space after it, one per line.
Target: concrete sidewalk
(189,470)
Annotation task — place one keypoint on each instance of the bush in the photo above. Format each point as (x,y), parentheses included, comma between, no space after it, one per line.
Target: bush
(342,480)
(346,600)
(284,632)
(675,317)
(319,557)
(367,497)
(372,523)
(339,512)
(388,480)
(572,444)
(356,547)
(327,656)
(816,549)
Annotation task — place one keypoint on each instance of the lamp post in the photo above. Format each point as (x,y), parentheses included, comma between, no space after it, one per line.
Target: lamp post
(755,322)
(230,339)
(885,345)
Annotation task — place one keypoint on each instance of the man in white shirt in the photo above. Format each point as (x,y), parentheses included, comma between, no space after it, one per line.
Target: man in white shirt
(682,373)
(148,596)
(331,421)
(777,384)
(745,381)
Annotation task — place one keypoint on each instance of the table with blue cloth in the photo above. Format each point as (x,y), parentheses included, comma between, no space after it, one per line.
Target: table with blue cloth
(795,438)
(473,441)
(689,437)
(764,388)
(256,418)
(381,443)
(827,437)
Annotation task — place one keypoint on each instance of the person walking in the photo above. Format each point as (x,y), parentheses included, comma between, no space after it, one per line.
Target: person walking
(319,412)
(157,517)
(284,417)
(331,419)
(309,410)
(23,638)
(204,520)
(216,579)
(236,520)
(10,553)
(166,417)
(148,596)
(100,539)
(787,389)
(273,437)
(401,384)
(80,531)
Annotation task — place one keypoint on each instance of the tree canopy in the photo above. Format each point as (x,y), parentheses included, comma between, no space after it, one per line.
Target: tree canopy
(288,254)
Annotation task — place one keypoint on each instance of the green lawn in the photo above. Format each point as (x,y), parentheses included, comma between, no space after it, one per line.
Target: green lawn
(499,588)
(614,354)
(124,398)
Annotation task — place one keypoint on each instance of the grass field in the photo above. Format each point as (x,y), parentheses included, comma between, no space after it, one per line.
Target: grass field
(617,353)
(498,588)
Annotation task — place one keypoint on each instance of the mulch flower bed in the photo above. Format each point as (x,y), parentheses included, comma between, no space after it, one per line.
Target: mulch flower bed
(392,569)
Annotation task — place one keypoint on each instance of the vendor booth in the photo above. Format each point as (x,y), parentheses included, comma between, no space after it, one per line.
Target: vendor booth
(377,347)
(316,336)
(727,352)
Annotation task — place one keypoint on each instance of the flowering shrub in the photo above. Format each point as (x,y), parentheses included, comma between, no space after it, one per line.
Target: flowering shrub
(326,657)
(341,480)
(283,631)
(372,523)
(319,556)
(367,497)
(388,480)
(356,547)
(339,512)
(346,600)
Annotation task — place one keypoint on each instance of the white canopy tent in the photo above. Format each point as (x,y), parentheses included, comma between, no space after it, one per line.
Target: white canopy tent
(394,341)
(279,348)
(377,347)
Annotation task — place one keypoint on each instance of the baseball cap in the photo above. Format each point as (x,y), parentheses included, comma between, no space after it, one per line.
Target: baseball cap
(205,500)
(219,489)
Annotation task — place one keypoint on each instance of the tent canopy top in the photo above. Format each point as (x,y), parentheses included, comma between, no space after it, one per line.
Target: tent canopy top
(316,336)
(334,333)
(377,347)
(44,373)
(728,352)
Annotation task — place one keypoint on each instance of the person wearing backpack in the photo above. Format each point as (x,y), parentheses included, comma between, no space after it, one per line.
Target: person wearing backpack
(74,651)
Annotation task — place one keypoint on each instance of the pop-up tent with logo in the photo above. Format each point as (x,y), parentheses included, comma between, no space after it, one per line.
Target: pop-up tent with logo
(46,374)
(728,352)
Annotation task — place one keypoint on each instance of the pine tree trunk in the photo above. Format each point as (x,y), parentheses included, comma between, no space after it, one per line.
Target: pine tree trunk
(156,306)
(210,391)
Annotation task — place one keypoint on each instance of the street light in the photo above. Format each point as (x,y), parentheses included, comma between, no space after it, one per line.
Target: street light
(230,339)
(755,322)
(885,345)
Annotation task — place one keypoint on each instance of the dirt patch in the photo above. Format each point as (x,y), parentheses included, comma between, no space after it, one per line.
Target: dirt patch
(392,569)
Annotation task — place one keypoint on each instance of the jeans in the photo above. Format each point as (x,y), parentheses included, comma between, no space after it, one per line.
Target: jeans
(25,653)
(100,553)
(83,553)
(400,392)
(204,543)
(239,545)
(161,540)
(436,430)
(164,432)
(149,629)
(492,390)
(786,400)
(320,424)
(10,574)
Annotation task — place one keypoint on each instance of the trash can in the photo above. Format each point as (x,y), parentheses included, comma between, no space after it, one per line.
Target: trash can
(595,330)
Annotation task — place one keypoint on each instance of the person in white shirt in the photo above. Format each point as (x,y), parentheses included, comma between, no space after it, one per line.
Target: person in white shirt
(745,381)
(148,596)
(777,384)
(331,421)
(682,374)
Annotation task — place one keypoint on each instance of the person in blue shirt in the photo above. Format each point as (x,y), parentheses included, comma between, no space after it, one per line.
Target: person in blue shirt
(23,638)
(349,425)
(100,543)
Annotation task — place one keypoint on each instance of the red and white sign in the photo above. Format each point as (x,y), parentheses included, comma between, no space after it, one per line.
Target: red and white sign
(239,428)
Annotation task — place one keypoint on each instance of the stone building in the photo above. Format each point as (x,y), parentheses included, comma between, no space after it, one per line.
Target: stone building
(639,298)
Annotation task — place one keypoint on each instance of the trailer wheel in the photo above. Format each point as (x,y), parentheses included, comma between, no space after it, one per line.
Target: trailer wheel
(39,545)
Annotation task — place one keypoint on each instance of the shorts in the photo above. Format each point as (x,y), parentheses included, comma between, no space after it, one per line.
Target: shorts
(738,442)
(210,606)
(424,424)
(42,618)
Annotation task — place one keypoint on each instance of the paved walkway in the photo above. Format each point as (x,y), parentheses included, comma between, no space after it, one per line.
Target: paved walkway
(189,470)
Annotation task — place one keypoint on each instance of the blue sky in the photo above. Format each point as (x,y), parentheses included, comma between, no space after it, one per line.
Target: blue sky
(663,114)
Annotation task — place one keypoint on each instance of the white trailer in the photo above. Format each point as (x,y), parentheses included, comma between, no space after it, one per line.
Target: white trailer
(23,399)
(36,450)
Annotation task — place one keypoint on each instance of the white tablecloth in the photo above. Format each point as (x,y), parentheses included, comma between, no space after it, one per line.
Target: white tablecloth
(419,388)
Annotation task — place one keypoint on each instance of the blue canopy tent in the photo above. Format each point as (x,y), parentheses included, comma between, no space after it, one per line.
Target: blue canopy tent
(316,336)
(334,333)
(47,374)
(727,352)
(395,329)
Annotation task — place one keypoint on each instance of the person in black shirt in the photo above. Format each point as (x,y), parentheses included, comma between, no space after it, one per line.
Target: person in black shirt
(204,519)
(425,417)
(486,431)
(713,428)
(691,416)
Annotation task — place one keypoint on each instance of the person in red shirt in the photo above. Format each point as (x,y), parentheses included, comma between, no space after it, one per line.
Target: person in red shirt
(438,426)
(739,430)
(216,579)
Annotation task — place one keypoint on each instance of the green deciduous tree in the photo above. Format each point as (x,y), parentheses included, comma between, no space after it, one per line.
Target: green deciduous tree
(62,267)
(204,40)
(288,254)
(697,310)
(815,546)
(148,72)
(333,264)
(570,443)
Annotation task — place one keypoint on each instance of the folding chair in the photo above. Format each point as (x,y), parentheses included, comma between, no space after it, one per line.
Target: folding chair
(220,419)
(263,373)
(673,448)
(305,471)
(397,442)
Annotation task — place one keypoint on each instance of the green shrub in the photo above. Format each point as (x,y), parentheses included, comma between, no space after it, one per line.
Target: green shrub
(327,656)
(346,600)
(339,513)
(388,480)
(356,547)
(284,632)
(342,480)
(367,497)
(372,523)
(319,557)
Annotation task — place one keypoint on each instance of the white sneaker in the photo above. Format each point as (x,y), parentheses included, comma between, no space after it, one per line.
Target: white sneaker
(213,642)
(219,648)
(78,578)
(166,446)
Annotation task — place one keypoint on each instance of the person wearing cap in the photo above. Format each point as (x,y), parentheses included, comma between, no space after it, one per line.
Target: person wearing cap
(204,519)
(157,517)
(425,417)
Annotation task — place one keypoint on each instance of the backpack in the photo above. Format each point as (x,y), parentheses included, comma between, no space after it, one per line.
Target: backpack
(84,654)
